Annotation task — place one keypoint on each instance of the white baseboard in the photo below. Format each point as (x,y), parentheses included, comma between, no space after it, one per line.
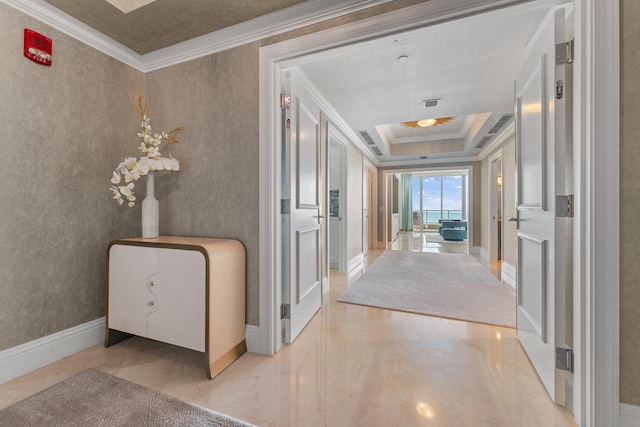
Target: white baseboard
(325,285)
(355,262)
(255,340)
(629,415)
(35,354)
(475,250)
(508,274)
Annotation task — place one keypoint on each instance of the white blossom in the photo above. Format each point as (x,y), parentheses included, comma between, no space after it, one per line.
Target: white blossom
(131,169)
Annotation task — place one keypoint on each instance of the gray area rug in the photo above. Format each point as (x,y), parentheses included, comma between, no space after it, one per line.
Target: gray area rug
(454,286)
(93,398)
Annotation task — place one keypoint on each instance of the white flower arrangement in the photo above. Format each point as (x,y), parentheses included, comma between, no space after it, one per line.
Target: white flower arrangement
(131,169)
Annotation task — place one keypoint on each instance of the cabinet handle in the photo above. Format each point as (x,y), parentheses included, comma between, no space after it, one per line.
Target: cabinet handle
(150,304)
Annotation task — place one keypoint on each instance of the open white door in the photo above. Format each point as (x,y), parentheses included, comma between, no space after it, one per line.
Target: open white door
(365,212)
(541,175)
(302,291)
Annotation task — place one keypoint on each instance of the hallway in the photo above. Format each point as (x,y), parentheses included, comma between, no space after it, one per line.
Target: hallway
(351,366)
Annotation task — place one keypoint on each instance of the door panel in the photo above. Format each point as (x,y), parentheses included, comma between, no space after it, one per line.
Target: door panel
(302,289)
(539,136)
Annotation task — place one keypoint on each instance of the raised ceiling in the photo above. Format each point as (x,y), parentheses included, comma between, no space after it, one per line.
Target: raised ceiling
(376,85)
(151,25)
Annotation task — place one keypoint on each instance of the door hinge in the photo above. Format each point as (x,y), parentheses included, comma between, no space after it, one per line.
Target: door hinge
(285,206)
(285,311)
(285,101)
(565,52)
(564,206)
(564,359)
(559,89)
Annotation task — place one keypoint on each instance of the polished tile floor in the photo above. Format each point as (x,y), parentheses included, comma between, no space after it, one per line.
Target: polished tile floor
(351,366)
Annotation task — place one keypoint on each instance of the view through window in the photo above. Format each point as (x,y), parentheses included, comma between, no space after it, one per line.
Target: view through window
(435,198)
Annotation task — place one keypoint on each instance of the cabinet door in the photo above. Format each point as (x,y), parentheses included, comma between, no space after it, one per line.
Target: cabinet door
(180,289)
(131,270)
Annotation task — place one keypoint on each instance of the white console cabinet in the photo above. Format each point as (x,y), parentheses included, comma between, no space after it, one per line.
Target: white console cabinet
(185,291)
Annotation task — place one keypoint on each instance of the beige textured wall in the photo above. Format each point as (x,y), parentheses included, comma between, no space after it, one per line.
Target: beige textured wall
(630,203)
(64,128)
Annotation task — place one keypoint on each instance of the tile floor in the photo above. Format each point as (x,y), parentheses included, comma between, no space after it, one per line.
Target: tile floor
(351,366)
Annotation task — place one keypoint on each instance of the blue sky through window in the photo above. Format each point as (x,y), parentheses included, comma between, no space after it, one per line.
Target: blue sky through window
(438,192)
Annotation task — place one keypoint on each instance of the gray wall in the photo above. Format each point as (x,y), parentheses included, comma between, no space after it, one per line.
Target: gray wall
(630,203)
(64,128)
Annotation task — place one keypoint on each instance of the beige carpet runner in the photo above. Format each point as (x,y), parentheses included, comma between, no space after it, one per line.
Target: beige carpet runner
(454,286)
(93,398)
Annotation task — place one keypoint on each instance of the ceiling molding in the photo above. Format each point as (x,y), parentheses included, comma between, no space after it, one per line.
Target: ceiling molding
(508,131)
(336,120)
(58,20)
(425,162)
(294,17)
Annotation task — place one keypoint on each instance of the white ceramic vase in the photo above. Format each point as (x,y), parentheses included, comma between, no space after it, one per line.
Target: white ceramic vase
(150,211)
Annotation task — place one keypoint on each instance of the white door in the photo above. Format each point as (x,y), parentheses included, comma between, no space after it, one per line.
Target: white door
(365,212)
(541,176)
(302,293)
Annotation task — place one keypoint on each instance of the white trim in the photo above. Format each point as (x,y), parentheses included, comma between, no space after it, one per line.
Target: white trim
(492,194)
(355,262)
(596,269)
(508,274)
(475,250)
(58,20)
(597,93)
(35,354)
(507,132)
(629,415)
(335,134)
(253,338)
(291,18)
(484,254)
(325,285)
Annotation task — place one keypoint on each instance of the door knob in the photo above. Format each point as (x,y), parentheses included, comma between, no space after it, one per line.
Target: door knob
(514,219)
(318,216)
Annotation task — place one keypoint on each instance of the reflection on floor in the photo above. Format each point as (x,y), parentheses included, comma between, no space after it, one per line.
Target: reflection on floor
(427,241)
(350,366)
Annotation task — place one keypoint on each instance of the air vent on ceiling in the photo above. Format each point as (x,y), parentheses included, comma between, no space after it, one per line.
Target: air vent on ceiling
(430,102)
(367,138)
(377,151)
(500,123)
(484,141)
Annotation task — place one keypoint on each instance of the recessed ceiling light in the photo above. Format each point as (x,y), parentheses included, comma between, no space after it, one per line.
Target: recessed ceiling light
(402,58)
(425,123)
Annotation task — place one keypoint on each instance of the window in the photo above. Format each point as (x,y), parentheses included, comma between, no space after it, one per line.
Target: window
(437,197)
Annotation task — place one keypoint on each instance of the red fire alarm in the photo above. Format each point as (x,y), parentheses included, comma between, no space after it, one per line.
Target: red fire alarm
(37,47)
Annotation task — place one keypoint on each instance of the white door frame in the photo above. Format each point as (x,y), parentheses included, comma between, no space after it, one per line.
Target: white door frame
(340,139)
(597,153)
(492,201)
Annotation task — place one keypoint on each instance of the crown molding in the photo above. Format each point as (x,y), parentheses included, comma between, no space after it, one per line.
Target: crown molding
(58,20)
(292,18)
